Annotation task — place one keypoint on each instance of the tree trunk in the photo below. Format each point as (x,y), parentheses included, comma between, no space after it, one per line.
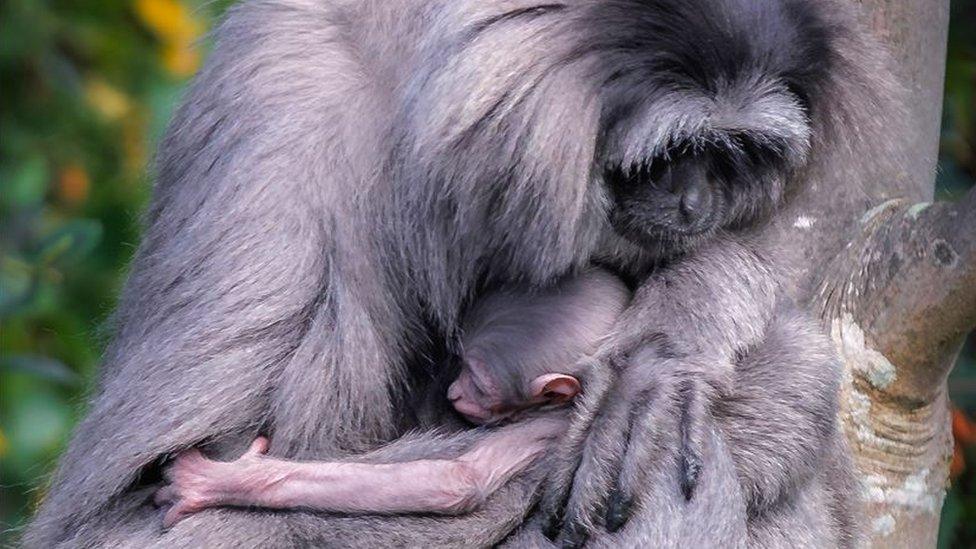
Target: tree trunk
(894,279)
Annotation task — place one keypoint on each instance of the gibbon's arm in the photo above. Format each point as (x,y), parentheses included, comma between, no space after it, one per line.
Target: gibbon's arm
(441,486)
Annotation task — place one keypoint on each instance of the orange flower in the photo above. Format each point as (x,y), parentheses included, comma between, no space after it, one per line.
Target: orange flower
(963,429)
(73,184)
(964,433)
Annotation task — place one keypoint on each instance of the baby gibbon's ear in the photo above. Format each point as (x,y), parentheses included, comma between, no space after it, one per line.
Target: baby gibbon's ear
(554,388)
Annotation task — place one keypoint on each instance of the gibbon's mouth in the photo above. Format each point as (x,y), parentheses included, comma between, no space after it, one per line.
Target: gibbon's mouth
(472,412)
(704,226)
(665,237)
(665,242)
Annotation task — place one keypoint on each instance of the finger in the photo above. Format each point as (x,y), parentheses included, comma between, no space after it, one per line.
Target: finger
(653,420)
(189,454)
(692,439)
(577,437)
(164,495)
(602,456)
(560,481)
(193,454)
(598,467)
(175,514)
(168,470)
(259,446)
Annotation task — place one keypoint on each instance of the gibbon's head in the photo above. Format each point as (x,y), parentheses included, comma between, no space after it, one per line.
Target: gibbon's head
(523,349)
(558,127)
(706,112)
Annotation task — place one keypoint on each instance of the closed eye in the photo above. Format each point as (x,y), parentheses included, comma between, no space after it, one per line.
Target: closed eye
(637,175)
(478,389)
(531,11)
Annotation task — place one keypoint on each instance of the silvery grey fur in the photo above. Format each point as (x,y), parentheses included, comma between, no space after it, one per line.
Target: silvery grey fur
(720,378)
(344,176)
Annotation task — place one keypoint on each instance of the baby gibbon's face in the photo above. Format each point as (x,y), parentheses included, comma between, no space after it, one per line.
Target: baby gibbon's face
(482,397)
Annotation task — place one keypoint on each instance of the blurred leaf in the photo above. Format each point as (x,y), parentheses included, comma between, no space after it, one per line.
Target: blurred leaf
(17,284)
(26,184)
(70,243)
(40,366)
(61,73)
(20,31)
(36,425)
(951,513)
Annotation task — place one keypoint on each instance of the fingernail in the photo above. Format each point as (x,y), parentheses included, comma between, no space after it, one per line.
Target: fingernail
(618,511)
(575,538)
(689,479)
(551,528)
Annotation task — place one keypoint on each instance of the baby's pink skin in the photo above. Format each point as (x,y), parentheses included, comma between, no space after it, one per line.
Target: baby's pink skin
(445,486)
(477,396)
(196,482)
(433,486)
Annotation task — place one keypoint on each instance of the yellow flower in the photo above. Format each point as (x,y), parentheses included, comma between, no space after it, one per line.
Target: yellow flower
(110,102)
(170,20)
(178,30)
(180,59)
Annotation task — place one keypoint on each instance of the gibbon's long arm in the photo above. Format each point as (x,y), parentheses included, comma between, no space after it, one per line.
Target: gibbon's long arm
(441,486)
(235,314)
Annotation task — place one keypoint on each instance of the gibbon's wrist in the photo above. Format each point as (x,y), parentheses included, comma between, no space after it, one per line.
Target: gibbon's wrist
(261,482)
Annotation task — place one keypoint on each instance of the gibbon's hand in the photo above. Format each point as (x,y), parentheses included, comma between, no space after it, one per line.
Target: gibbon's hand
(195,482)
(652,404)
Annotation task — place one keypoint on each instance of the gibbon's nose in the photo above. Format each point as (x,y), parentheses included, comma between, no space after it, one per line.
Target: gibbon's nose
(693,194)
(454,392)
(693,202)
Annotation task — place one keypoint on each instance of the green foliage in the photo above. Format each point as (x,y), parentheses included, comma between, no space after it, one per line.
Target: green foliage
(87,88)
(85,91)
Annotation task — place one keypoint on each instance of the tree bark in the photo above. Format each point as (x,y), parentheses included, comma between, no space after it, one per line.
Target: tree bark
(897,293)
(899,302)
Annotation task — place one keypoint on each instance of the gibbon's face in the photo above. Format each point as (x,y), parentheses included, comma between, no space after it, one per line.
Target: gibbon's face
(487,395)
(670,205)
(706,113)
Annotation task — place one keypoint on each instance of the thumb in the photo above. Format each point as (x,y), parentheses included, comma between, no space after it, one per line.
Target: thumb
(175,514)
(259,446)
